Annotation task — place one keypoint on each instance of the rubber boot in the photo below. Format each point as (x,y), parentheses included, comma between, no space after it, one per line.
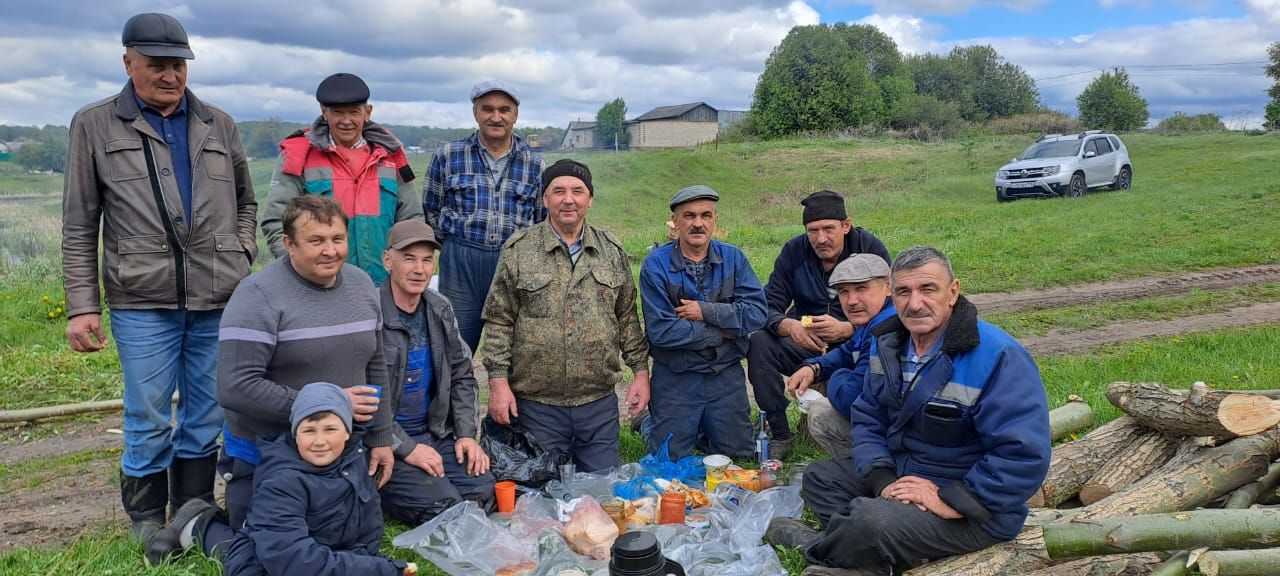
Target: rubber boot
(144,500)
(190,480)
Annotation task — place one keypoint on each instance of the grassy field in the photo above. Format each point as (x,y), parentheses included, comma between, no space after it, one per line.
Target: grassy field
(1198,202)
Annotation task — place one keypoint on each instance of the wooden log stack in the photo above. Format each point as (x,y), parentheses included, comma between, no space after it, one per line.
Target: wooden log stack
(1182,469)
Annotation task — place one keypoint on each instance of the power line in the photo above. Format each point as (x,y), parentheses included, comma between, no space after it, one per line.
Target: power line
(1154,66)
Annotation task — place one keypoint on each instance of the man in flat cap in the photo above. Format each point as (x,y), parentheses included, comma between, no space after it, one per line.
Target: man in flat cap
(701,300)
(479,191)
(161,177)
(352,159)
(805,317)
(560,323)
(862,285)
(431,388)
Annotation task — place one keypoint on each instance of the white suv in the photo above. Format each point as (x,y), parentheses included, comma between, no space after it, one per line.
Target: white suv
(1066,165)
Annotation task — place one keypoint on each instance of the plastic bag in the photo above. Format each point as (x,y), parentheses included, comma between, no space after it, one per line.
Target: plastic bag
(514,455)
(590,531)
(688,469)
(463,541)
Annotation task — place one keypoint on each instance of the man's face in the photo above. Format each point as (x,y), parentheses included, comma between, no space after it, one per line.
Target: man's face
(410,268)
(321,441)
(317,250)
(695,222)
(159,82)
(495,115)
(827,237)
(861,301)
(924,298)
(567,200)
(346,122)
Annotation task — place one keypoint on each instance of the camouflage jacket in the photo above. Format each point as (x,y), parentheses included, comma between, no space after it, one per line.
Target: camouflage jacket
(560,333)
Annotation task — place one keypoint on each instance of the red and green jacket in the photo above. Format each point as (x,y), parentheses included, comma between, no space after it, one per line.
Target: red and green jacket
(374,197)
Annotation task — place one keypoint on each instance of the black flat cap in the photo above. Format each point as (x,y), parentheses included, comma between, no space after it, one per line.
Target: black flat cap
(157,36)
(342,89)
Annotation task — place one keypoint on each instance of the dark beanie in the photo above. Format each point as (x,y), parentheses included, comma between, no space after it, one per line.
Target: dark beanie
(567,167)
(823,205)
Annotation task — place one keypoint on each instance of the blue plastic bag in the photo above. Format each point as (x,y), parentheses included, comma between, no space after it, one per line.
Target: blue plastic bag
(688,470)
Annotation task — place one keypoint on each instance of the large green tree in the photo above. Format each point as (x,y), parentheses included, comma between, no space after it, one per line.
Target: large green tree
(1113,103)
(829,77)
(611,125)
(1273,70)
(43,154)
(977,80)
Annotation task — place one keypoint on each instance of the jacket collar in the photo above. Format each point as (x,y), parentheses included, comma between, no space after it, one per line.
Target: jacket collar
(127,105)
(373,133)
(677,259)
(390,312)
(961,333)
(550,240)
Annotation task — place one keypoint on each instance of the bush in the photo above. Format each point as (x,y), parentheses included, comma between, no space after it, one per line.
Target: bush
(1180,122)
(1035,123)
(924,117)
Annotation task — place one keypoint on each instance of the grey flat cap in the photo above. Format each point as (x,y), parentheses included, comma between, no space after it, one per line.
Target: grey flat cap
(482,88)
(859,268)
(691,193)
(156,36)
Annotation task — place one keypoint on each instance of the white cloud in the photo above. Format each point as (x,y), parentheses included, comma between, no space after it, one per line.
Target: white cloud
(1265,10)
(940,7)
(912,34)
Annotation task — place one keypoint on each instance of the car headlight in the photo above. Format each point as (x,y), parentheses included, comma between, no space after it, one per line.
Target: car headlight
(1052,170)
(1005,173)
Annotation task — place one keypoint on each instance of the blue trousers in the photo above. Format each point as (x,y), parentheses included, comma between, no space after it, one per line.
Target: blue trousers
(466,271)
(162,351)
(690,405)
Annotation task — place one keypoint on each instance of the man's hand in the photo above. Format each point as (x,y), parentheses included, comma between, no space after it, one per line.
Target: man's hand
(468,450)
(830,329)
(502,403)
(638,394)
(689,310)
(923,494)
(791,328)
(364,402)
(381,459)
(426,458)
(84,333)
(801,379)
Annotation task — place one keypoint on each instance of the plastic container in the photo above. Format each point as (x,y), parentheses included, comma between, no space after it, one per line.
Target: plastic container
(506,496)
(671,508)
(617,510)
(716,465)
(639,554)
(699,524)
(807,399)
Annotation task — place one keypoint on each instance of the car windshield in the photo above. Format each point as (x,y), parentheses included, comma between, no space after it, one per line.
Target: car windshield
(1058,149)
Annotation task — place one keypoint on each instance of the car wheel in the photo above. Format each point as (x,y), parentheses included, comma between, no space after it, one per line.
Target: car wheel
(1077,188)
(1000,197)
(1123,180)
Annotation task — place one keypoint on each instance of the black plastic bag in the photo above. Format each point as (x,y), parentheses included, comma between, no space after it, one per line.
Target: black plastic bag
(514,455)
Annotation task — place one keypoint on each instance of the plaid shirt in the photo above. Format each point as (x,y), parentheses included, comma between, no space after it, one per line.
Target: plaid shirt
(462,200)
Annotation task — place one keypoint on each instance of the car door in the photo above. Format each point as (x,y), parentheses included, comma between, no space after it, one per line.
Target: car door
(1093,163)
(1106,161)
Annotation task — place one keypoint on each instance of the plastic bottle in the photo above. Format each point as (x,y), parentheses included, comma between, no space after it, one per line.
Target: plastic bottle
(762,440)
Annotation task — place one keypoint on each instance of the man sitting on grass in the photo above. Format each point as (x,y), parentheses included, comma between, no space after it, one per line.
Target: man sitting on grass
(950,437)
(315,510)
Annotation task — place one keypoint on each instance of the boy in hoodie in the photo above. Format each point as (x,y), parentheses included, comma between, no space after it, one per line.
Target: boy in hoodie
(315,511)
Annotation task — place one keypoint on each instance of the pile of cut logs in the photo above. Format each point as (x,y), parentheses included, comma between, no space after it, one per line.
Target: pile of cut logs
(1185,483)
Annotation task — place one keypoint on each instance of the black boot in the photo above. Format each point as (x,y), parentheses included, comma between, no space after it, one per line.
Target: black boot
(167,542)
(191,480)
(144,499)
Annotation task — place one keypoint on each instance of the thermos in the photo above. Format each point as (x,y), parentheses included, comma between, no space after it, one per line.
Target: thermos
(638,554)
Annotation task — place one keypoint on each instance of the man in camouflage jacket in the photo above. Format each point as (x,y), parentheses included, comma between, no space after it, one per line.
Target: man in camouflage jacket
(560,323)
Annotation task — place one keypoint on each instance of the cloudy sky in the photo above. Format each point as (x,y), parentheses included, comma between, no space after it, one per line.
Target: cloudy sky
(262,59)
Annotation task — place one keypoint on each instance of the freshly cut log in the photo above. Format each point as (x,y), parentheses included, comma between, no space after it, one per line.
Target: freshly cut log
(1199,412)
(1074,463)
(1023,554)
(1072,417)
(1146,453)
(1247,495)
(1218,529)
(1176,565)
(1207,474)
(1241,562)
(1114,565)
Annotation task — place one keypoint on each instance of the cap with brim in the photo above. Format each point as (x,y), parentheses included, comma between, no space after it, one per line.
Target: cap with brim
(482,88)
(406,233)
(859,268)
(157,36)
(691,193)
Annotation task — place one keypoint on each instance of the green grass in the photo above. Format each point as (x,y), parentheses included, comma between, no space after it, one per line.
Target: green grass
(34,473)
(14,180)
(1079,318)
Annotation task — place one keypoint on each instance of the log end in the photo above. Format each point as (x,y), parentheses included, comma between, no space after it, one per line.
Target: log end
(1037,499)
(1090,493)
(1248,414)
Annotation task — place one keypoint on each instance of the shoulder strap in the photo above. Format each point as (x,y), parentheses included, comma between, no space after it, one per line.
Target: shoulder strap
(175,247)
